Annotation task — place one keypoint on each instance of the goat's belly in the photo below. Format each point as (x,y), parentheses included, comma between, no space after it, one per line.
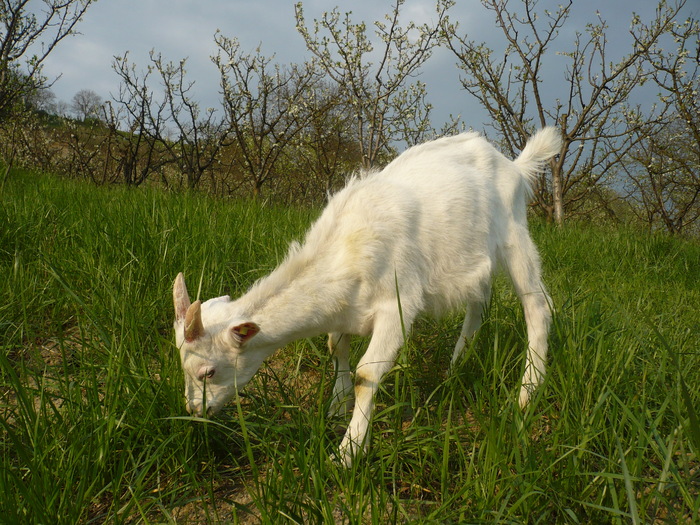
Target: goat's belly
(452,286)
(362,327)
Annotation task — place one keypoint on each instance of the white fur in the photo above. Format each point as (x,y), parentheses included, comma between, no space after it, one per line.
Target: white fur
(425,233)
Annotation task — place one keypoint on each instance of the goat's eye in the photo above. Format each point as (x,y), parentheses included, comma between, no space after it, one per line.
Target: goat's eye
(206,373)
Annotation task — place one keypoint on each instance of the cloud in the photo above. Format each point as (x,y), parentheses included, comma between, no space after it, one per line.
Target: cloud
(182,28)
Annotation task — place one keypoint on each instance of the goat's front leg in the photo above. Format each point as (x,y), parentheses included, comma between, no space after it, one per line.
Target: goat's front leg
(472,322)
(380,356)
(341,400)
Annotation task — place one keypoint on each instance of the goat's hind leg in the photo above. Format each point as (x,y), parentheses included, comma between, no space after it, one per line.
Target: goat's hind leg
(341,399)
(523,262)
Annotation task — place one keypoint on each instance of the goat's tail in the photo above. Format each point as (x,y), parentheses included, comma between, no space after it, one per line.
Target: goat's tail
(541,147)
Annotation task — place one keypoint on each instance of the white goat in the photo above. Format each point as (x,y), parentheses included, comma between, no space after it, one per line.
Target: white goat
(423,235)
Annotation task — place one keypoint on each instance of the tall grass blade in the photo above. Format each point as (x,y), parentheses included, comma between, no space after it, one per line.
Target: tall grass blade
(629,487)
(693,420)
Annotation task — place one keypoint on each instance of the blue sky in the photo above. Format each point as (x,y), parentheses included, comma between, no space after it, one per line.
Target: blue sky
(185,29)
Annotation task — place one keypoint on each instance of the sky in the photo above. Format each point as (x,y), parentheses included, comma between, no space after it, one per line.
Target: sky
(180,29)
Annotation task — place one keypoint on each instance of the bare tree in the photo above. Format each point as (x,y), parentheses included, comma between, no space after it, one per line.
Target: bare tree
(384,108)
(587,107)
(192,138)
(143,118)
(88,151)
(663,178)
(86,104)
(25,27)
(326,150)
(267,106)
(663,169)
(43,100)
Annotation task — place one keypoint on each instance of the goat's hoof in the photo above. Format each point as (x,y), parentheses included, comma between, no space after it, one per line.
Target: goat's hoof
(526,392)
(336,412)
(340,408)
(342,459)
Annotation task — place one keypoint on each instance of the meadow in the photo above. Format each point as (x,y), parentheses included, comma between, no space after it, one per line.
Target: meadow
(92,421)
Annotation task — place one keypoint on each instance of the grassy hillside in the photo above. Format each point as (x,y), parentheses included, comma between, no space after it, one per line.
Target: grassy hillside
(92,420)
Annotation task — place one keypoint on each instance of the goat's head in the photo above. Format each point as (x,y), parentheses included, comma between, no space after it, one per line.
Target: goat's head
(216,359)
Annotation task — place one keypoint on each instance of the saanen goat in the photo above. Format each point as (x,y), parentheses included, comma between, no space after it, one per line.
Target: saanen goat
(424,234)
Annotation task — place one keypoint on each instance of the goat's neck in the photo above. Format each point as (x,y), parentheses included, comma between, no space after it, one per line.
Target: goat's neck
(293,302)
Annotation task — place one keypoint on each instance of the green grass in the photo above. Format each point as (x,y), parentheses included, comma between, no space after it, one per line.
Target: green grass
(92,420)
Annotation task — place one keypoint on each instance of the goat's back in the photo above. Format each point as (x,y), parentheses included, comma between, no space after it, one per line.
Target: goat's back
(430,223)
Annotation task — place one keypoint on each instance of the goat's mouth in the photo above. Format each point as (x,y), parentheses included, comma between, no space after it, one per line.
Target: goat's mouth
(197,410)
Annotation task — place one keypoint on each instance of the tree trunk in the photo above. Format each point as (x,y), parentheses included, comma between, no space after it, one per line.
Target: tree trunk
(557,198)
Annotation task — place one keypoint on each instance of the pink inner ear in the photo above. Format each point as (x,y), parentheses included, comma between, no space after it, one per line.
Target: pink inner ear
(245,331)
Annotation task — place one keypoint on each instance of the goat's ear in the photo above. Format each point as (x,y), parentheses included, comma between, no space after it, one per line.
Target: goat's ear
(181,299)
(194,328)
(244,332)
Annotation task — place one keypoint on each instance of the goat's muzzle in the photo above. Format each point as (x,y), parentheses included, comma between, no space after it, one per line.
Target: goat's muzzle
(195,409)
